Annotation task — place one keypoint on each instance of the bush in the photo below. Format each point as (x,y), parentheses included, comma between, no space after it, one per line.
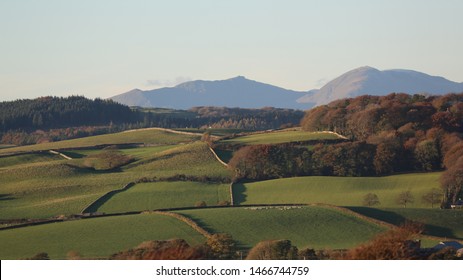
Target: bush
(222,246)
(273,250)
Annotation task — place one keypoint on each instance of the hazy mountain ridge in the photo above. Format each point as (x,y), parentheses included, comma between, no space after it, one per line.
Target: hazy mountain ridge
(371,81)
(245,93)
(235,92)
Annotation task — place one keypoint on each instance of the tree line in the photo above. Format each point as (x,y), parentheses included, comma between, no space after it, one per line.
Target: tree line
(48,119)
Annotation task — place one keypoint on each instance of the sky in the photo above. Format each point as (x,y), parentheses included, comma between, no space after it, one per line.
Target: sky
(101,48)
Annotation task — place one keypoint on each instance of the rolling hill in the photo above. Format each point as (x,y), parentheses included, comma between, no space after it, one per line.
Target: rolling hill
(234,92)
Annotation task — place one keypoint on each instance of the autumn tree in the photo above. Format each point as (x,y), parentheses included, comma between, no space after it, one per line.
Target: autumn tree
(395,244)
(175,249)
(452,182)
(387,157)
(222,246)
(434,196)
(428,155)
(370,199)
(404,198)
(273,250)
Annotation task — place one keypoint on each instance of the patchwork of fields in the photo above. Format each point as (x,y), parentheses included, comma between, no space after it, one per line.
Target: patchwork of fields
(176,170)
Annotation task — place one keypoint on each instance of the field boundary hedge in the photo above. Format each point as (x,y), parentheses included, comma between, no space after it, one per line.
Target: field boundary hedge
(186,220)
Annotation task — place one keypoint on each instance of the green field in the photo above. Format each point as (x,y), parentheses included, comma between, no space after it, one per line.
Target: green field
(10,161)
(342,191)
(146,136)
(43,190)
(2,146)
(93,238)
(193,159)
(278,137)
(215,131)
(312,227)
(438,222)
(150,196)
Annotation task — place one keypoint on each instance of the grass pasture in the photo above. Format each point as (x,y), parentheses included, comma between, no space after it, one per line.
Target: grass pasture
(190,159)
(151,196)
(342,191)
(278,137)
(138,152)
(313,226)
(10,161)
(93,238)
(438,222)
(146,136)
(43,190)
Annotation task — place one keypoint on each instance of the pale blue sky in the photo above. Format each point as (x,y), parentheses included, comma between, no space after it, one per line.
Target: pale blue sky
(100,48)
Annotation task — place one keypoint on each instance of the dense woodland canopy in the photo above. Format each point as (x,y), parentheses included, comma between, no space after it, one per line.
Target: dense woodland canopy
(55,112)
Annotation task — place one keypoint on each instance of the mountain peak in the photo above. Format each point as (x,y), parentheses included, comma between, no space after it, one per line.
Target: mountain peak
(369,80)
(238,78)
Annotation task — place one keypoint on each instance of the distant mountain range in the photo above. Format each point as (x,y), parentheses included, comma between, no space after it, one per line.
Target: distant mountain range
(244,93)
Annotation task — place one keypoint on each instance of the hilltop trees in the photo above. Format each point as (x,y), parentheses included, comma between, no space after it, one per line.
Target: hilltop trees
(269,161)
(52,112)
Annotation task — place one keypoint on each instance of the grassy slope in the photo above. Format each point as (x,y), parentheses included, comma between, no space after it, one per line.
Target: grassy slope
(148,136)
(27,159)
(280,137)
(93,238)
(46,189)
(343,191)
(150,196)
(314,227)
(193,159)
(438,222)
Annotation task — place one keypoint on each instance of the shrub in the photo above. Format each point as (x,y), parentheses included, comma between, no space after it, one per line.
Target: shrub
(273,250)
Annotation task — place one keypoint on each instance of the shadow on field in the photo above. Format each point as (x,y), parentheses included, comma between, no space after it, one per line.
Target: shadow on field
(397,219)
(92,208)
(6,197)
(239,193)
